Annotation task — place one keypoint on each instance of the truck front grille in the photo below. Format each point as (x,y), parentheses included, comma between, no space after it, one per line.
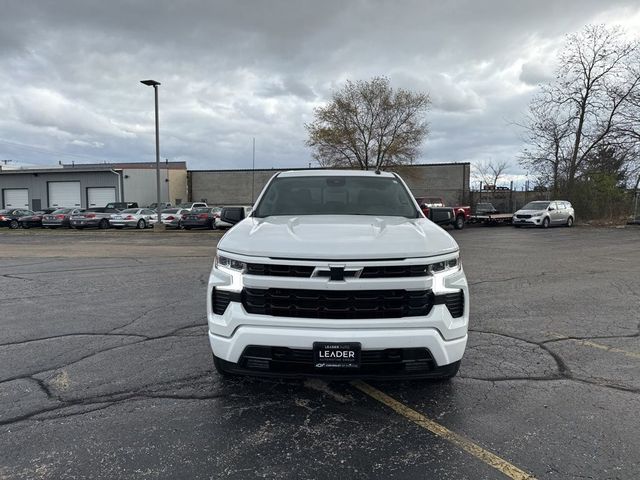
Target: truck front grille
(523,216)
(279,270)
(337,304)
(306,271)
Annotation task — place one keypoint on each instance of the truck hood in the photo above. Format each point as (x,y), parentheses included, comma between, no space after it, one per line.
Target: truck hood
(337,237)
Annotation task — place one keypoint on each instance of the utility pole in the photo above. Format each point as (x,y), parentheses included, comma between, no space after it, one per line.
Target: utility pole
(154,84)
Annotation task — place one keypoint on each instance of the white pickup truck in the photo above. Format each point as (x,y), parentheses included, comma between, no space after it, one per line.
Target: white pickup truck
(337,273)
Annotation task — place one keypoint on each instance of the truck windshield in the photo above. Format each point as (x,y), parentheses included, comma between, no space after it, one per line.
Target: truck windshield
(336,195)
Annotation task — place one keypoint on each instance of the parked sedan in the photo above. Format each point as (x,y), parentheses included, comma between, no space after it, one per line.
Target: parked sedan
(171,217)
(139,218)
(92,217)
(9,218)
(200,218)
(34,220)
(60,217)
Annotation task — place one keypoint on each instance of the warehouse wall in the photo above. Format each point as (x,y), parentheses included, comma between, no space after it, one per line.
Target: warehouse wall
(233,187)
(140,185)
(36,183)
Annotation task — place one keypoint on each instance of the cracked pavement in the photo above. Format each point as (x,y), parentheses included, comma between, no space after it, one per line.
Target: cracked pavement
(105,368)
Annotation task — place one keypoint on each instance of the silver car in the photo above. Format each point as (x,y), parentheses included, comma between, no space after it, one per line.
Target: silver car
(171,217)
(132,217)
(545,214)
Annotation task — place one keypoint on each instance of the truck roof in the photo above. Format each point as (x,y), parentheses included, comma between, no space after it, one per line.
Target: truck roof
(334,173)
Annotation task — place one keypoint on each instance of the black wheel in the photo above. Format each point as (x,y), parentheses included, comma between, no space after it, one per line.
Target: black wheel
(212,226)
(14,224)
(104,224)
(219,366)
(546,222)
(570,222)
(459,223)
(141,225)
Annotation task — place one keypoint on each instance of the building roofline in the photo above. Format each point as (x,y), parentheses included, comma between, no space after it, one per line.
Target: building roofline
(28,171)
(129,165)
(286,169)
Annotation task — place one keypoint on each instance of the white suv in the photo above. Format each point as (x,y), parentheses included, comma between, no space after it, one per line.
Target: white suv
(337,274)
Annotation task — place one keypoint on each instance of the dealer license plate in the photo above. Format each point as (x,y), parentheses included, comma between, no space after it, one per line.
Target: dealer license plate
(336,355)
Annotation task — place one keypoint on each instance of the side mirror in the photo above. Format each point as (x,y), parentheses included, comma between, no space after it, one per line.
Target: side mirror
(232,215)
(551,209)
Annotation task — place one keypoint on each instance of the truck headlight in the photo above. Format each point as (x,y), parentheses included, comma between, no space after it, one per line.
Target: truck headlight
(453,264)
(225,262)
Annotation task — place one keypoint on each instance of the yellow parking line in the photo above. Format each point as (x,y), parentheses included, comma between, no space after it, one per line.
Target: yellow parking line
(467,445)
(607,348)
(599,346)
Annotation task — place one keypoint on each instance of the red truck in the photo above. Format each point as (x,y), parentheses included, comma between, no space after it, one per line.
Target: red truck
(460,214)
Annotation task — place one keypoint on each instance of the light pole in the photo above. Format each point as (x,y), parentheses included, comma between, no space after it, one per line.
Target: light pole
(155,85)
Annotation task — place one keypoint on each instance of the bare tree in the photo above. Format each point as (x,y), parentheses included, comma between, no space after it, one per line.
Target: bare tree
(546,134)
(490,172)
(369,125)
(583,108)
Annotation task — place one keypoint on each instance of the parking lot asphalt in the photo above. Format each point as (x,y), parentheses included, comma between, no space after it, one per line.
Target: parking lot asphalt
(106,372)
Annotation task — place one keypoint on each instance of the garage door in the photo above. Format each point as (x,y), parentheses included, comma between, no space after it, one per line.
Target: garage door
(16,198)
(100,196)
(64,194)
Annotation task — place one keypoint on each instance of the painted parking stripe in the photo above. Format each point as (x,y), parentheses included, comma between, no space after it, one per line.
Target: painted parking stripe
(464,443)
(599,346)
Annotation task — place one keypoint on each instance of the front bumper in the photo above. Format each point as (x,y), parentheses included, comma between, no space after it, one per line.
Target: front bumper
(194,224)
(123,223)
(93,222)
(532,222)
(443,352)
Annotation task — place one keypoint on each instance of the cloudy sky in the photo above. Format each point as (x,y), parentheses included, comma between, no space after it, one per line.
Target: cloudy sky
(237,69)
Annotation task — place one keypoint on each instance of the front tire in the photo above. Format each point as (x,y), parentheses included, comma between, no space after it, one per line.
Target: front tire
(141,225)
(14,224)
(546,222)
(104,224)
(570,222)
(459,223)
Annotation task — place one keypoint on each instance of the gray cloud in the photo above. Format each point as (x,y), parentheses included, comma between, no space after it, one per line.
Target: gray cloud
(231,71)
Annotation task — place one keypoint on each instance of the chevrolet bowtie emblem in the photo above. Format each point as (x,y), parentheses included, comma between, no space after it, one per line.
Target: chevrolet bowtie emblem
(336,274)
